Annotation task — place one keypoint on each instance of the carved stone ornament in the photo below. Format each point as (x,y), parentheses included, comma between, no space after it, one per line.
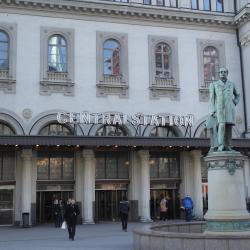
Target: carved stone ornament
(245,40)
(27,113)
(230,165)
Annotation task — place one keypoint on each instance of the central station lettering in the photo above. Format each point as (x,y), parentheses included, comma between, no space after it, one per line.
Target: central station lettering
(121,119)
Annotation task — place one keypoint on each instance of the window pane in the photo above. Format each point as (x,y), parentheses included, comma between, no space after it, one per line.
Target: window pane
(111,165)
(55,129)
(207,5)
(163,167)
(68,168)
(160,2)
(154,163)
(146,1)
(56,168)
(123,165)
(111,55)
(100,165)
(42,168)
(57,54)
(5,130)
(110,131)
(3,36)
(219,5)
(194,4)
(6,199)
(174,168)
(162,132)
(211,64)
(9,166)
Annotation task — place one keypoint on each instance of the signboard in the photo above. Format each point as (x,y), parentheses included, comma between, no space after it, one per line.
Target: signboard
(86,117)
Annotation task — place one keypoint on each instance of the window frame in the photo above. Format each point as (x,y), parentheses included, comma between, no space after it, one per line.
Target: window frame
(204,4)
(8,76)
(197,4)
(109,85)
(164,90)
(201,45)
(56,82)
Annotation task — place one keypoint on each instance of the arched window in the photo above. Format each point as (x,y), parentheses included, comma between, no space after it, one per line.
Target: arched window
(6,130)
(57,54)
(163,132)
(210,64)
(163,61)
(111,57)
(55,129)
(110,131)
(4,50)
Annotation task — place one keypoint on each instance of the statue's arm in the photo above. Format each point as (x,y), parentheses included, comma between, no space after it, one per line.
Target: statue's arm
(236,95)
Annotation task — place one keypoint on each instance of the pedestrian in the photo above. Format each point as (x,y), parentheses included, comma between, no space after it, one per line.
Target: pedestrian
(71,213)
(123,211)
(187,204)
(56,213)
(163,208)
(61,211)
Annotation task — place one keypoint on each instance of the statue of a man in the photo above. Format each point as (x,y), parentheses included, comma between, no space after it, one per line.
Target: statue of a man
(223,97)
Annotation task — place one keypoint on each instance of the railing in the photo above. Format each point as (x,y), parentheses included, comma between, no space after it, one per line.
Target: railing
(4,73)
(164,82)
(112,80)
(57,76)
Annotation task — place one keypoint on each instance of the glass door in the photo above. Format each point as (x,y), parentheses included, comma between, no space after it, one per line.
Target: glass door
(6,205)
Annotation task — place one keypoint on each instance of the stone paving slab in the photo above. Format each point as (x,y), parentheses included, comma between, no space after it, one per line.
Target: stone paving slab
(101,236)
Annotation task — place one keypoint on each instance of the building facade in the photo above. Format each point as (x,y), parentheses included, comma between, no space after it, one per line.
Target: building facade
(105,99)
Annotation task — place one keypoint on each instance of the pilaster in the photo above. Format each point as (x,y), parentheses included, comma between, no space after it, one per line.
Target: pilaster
(247,176)
(26,182)
(197,195)
(145,185)
(88,186)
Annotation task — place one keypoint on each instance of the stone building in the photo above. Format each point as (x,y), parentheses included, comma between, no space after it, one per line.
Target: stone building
(104,99)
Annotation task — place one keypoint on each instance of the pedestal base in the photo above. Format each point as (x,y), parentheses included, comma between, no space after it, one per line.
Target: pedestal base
(226,193)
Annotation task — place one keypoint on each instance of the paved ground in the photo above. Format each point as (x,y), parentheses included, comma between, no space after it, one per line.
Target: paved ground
(101,236)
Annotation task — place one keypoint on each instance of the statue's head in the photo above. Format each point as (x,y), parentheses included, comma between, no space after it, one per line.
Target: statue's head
(223,73)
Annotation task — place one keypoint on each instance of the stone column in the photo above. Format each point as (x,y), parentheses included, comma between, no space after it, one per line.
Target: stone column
(134,185)
(88,186)
(197,195)
(26,181)
(145,186)
(79,179)
(247,176)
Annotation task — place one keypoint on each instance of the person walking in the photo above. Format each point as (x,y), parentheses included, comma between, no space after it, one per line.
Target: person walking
(71,213)
(163,208)
(123,211)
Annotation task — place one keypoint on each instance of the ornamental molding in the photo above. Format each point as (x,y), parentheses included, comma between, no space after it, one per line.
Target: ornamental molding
(243,16)
(120,10)
(245,39)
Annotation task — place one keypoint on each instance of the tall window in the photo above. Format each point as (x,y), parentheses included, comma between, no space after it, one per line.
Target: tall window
(7,165)
(163,60)
(110,131)
(112,165)
(163,132)
(207,4)
(4,51)
(111,55)
(219,6)
(57,54)
(55,129)
(163,165)
(55,166)
(194,4)
(6,130)
(210,64)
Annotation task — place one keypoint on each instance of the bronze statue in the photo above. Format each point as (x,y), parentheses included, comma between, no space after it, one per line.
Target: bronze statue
(223,97)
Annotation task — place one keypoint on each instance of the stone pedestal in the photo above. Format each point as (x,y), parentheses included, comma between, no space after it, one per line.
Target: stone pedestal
(226,193)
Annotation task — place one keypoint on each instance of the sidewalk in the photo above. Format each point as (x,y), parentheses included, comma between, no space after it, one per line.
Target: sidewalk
(101,236)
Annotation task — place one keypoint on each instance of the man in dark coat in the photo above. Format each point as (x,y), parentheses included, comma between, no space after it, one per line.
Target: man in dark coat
(71,213)
(123,210)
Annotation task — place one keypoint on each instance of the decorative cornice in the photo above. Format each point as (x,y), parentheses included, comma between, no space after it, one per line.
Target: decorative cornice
(122,11)
(243,16)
